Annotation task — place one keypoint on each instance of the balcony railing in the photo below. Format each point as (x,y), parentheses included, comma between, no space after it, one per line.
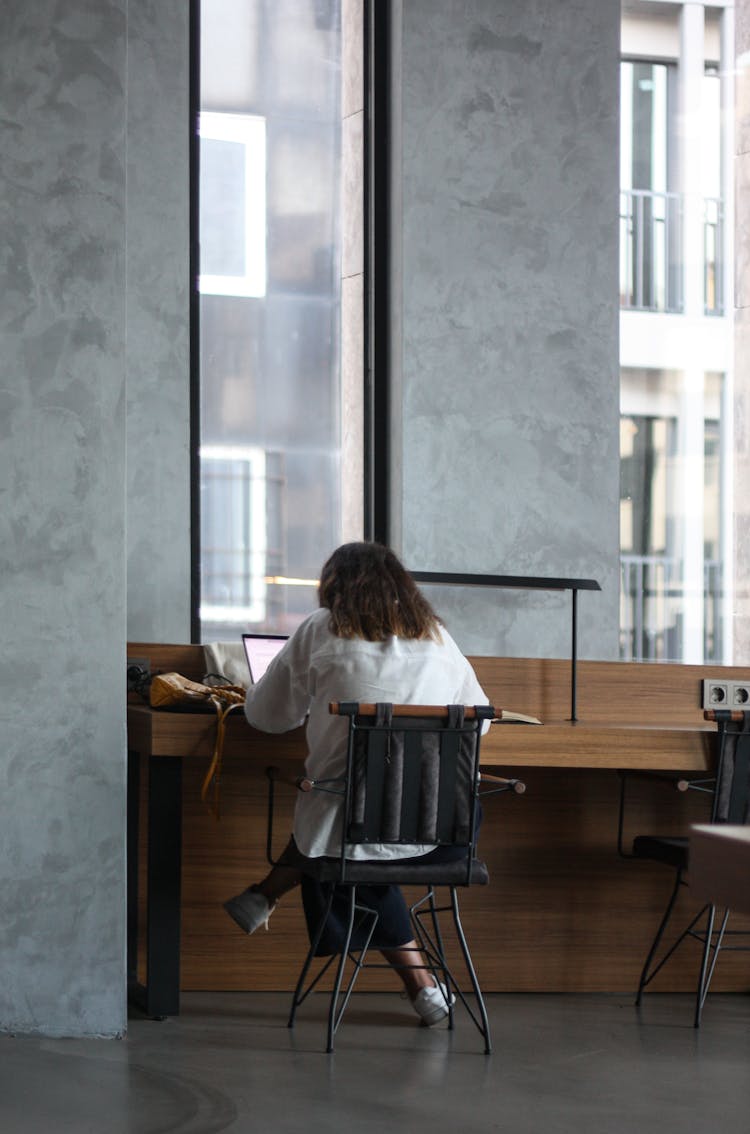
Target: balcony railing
(651,251)
(236,484)
(652,605)
(651,256)
(713,273)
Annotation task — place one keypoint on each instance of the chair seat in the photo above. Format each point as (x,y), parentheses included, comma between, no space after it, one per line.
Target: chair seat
(662,848)
(399,873)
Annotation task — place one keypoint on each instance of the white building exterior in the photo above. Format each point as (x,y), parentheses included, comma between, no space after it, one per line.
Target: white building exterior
(676,330)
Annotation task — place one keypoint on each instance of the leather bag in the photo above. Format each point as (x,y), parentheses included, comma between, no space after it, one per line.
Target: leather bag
(172,691)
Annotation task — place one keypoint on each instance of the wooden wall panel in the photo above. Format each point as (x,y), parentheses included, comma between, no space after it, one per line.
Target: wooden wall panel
(562,913)
(634,692)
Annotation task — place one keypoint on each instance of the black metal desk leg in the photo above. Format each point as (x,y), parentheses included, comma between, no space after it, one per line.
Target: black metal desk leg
(162,994)
(133,797)
(134,781)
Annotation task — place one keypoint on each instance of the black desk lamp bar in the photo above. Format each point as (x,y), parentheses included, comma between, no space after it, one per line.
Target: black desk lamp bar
(522,582)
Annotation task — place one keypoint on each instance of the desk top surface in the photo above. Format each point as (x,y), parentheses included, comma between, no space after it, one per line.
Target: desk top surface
(631,715)
(556,744)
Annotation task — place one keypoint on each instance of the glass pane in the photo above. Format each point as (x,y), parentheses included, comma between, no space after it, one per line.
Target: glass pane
(676,339)
(650,216)
(270,287)
(672,595)
(644,135)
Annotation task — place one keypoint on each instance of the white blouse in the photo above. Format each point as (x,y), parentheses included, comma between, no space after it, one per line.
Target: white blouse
(316,667)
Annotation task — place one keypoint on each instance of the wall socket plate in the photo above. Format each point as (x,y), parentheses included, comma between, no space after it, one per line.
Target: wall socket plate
(718,693)
(740,695)
(133,670)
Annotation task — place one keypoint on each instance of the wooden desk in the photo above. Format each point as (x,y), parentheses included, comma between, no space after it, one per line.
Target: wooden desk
(720,865)
(563,911)
(560,744)
(159,744)
(586,744)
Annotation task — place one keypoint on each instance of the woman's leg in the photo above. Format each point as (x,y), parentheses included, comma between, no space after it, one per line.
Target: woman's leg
(394,926)
(429,997)
(408,962)
(282,877)
(279,881)
(253,907)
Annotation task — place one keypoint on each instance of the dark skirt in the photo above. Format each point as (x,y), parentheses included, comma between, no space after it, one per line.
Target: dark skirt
(393,927)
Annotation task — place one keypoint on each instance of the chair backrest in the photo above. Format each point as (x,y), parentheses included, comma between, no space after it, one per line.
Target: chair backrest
(412,773)
(732,794)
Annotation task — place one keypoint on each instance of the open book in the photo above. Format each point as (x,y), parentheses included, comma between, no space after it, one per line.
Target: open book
(515,718)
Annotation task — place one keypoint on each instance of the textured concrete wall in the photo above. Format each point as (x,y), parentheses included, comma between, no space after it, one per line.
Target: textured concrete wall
(158,322)
(94,302)
(510,384)
(62,515)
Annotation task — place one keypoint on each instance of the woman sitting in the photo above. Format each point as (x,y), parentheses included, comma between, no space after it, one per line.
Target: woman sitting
(375,638)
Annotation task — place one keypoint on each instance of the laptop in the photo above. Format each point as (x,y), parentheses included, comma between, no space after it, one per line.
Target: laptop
(260,650)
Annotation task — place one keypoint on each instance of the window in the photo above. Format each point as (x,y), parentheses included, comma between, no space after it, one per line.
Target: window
(672,592)
(233,204)
(650,215)
(270,309)
(676,341)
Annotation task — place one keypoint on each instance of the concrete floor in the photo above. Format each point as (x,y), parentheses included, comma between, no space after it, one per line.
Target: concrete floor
(589,1064)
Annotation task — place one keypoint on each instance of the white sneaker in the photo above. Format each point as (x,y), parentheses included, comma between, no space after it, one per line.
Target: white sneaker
(249,909)
(431,1004)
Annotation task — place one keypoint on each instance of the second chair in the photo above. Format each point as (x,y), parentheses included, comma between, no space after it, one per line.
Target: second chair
(730,792)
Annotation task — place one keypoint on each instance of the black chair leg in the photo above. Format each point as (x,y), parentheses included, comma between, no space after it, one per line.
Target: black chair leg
(440,950)
(430,942)
(709,954)
(645,974)
(485,1028)
(299,995)
(707,970)
(332,1018)
(336,1011)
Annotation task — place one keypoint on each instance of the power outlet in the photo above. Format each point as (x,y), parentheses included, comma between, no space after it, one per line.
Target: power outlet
(136,669)
(740,695)
(716,693)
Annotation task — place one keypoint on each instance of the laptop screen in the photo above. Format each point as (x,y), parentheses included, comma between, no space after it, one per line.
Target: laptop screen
(260,650)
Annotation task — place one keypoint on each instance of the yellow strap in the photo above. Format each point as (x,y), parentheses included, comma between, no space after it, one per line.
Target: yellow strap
(213,775)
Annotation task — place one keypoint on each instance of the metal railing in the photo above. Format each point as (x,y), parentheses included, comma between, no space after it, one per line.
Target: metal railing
(651,251)
(713,261)
(236,486)
(652,605)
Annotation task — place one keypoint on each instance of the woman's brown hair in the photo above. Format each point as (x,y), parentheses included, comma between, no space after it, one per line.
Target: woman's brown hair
(371,595)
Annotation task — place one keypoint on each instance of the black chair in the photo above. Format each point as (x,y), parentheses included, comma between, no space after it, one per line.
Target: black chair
(412,776)
(730,791)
